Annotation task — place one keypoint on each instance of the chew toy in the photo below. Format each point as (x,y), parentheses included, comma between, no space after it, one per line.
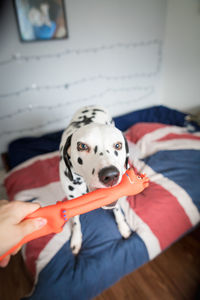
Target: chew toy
(59,213)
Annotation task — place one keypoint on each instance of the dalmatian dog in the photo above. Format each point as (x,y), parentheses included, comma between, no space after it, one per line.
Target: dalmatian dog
(93,154)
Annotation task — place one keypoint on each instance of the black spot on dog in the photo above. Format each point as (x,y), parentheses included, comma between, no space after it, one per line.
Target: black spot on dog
(97,109)
(127,152)
(71,196)
(71,188)
(87,190)
(116,153)
(107,151)
(66,158)
(80,161)
(66,173)
(70,164)
(93,171)
(95,149)
(84,121)
(101,153)
(85,111)
(77,181)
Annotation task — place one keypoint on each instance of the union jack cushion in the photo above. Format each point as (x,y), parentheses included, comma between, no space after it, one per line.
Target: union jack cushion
(161,214)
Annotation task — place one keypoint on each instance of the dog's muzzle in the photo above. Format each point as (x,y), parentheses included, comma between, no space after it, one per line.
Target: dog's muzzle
(109,176)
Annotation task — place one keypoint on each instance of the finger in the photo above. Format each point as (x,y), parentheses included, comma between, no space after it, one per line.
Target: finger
(4,262)
(2,202)
(21,209)
(28,226)
(15,252)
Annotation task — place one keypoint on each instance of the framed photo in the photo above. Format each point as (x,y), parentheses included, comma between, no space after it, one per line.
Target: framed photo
(40,20)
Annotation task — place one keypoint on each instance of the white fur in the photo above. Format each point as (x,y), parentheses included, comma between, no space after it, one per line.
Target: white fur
(104,137)
(91,126)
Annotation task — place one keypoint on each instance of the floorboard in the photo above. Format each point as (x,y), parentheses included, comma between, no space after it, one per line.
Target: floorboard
(173,275)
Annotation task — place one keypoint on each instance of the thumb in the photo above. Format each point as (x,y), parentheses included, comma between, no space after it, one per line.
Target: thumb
(28,226)
(4,262)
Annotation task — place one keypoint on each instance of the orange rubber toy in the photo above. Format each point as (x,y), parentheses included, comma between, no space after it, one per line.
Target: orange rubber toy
(59,213)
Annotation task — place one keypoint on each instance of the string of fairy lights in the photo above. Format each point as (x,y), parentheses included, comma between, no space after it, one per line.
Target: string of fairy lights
(65,86)
(144,91)
(36,87)
(18,57)
(149,92)
(59,105)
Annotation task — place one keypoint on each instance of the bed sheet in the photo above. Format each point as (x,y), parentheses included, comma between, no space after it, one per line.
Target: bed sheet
(161,214)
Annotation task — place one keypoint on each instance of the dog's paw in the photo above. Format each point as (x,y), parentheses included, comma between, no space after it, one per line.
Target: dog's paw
(124,230)
(76,242)
(75,248)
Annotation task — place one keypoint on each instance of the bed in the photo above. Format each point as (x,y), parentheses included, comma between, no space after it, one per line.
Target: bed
(163,146)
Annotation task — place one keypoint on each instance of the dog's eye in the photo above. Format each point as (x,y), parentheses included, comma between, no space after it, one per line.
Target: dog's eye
(82,147)
(118,146)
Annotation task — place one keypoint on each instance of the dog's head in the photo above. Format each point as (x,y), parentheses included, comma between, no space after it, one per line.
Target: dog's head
(98,153)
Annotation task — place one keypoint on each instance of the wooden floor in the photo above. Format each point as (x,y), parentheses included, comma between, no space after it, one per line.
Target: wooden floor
(173,275)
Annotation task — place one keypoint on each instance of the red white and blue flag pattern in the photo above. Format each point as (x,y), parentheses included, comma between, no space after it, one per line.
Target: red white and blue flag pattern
(161,214)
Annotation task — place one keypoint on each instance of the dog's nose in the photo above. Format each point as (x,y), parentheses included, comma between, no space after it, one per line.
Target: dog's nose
(109,176)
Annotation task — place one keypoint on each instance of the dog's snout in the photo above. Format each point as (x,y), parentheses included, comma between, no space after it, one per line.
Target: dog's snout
(109,176)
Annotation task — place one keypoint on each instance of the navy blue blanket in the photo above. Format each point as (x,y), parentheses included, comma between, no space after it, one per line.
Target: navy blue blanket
(25,148)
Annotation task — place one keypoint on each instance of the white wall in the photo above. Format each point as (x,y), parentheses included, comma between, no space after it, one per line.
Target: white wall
(180,84)
(112,57)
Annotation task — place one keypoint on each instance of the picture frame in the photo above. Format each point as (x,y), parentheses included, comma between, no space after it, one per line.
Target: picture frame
(41,20)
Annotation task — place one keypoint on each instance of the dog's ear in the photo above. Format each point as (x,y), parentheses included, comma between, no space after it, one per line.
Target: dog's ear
(127,153)
(66,157)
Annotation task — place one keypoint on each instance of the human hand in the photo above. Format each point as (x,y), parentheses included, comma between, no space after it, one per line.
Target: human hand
(13,228)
